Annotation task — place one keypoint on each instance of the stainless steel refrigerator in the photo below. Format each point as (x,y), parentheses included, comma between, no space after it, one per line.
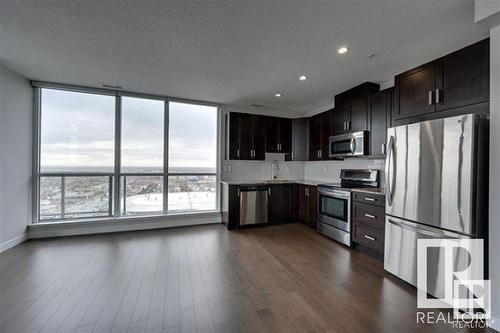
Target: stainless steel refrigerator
(436,187)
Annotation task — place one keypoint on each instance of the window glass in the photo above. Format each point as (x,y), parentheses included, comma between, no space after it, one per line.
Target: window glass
(192,138)
(77,132)
(142,194)
(142,135)
(191,193)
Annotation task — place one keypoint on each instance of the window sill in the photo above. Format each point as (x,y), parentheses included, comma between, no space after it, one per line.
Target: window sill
(125,219)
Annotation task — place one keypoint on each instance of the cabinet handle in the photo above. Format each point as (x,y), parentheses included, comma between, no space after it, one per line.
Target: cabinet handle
(293,155)
(269,191)
(370,199)
(430,97)
(320,154)
(370,238)
(306,191)
(383,149)
(438,99)
(280,147)
(345,125)
(370,216)
(237,153)
(239,191)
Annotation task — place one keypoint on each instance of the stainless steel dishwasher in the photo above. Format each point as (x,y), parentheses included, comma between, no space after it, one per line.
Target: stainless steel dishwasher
(253,204)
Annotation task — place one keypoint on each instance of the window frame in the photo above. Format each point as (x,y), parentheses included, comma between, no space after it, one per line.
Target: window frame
(117,173)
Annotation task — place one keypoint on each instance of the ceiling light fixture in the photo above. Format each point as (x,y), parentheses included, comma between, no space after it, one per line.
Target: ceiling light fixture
(303,78)
(277,94)
(342,50)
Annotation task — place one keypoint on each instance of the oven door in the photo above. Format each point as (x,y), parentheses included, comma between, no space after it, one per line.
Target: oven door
(334,209)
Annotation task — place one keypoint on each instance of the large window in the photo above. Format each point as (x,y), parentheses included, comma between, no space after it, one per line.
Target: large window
(110,154)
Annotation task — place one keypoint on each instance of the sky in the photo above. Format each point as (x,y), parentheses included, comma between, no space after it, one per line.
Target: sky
(77,131)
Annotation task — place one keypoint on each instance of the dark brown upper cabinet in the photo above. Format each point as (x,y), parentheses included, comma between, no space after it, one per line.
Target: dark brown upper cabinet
(456,80)
(300,140)
(245,136)
(462,77)
(379,120)
(358,115)
(352,109)
(319,133)
(278,135)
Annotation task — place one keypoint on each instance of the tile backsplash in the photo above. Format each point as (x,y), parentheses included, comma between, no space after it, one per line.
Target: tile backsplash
(316,170)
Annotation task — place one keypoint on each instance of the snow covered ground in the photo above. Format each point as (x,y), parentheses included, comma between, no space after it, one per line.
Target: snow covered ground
(178,201)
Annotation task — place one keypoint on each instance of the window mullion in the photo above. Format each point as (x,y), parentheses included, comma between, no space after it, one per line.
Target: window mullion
(118,158)
(165,158)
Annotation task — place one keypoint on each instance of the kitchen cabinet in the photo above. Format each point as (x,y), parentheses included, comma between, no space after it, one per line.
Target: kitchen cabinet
(454,81)
(278,135)
(379,120)
(352,109)
(245,136)
(368,221)
(462,77)
(307,205)
(300,140)
(280,203)
(319,133)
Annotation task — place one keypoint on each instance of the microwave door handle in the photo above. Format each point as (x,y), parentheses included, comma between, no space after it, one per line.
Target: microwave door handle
(352,145)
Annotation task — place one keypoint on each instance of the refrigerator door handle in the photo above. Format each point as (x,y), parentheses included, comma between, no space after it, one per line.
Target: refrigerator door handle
(430,233)
(390,174)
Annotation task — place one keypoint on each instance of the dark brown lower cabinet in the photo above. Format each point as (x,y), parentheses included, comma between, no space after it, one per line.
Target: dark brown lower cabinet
(368,222)
(307,205)
(279,205)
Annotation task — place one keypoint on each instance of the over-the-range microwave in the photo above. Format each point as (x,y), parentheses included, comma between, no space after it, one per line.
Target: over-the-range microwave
(350,144)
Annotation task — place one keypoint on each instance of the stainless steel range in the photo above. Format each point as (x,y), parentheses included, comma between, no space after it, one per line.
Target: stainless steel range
(334,203)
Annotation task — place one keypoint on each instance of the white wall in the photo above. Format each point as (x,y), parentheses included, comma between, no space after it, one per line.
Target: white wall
(15,157)
(494,206)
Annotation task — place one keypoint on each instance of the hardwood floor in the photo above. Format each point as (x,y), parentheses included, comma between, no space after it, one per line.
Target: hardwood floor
(283,278)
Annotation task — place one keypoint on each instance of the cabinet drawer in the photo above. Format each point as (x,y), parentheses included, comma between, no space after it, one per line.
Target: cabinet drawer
(369,198)
(370,237)
(373,216)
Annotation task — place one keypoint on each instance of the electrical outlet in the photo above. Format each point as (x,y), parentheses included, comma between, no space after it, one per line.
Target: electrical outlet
(227,168)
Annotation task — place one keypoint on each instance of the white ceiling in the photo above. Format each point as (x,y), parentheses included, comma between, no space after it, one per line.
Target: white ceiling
(232,52)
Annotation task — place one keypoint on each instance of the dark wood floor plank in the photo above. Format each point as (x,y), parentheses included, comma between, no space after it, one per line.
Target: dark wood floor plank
(283,278)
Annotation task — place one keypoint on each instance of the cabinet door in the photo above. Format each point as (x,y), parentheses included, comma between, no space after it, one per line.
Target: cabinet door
(358,114)
(312,212)
(272,134)
(379,109)
(259,138)
(233,135)
(302,203)
(338,119)
(246,136)
(314,137)
(300,140)
(285,135)
(414,92)
(326,132)
(280,199)
(462,77)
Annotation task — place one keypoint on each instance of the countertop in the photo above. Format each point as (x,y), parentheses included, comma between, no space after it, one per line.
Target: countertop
(274,182)
(312,182)
(374,190)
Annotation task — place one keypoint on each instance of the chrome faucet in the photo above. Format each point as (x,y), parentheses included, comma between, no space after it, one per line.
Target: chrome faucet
(274,169)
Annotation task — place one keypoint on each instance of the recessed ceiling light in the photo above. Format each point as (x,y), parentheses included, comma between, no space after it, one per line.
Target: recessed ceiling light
(277,94)
(342,50)
(303,78)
